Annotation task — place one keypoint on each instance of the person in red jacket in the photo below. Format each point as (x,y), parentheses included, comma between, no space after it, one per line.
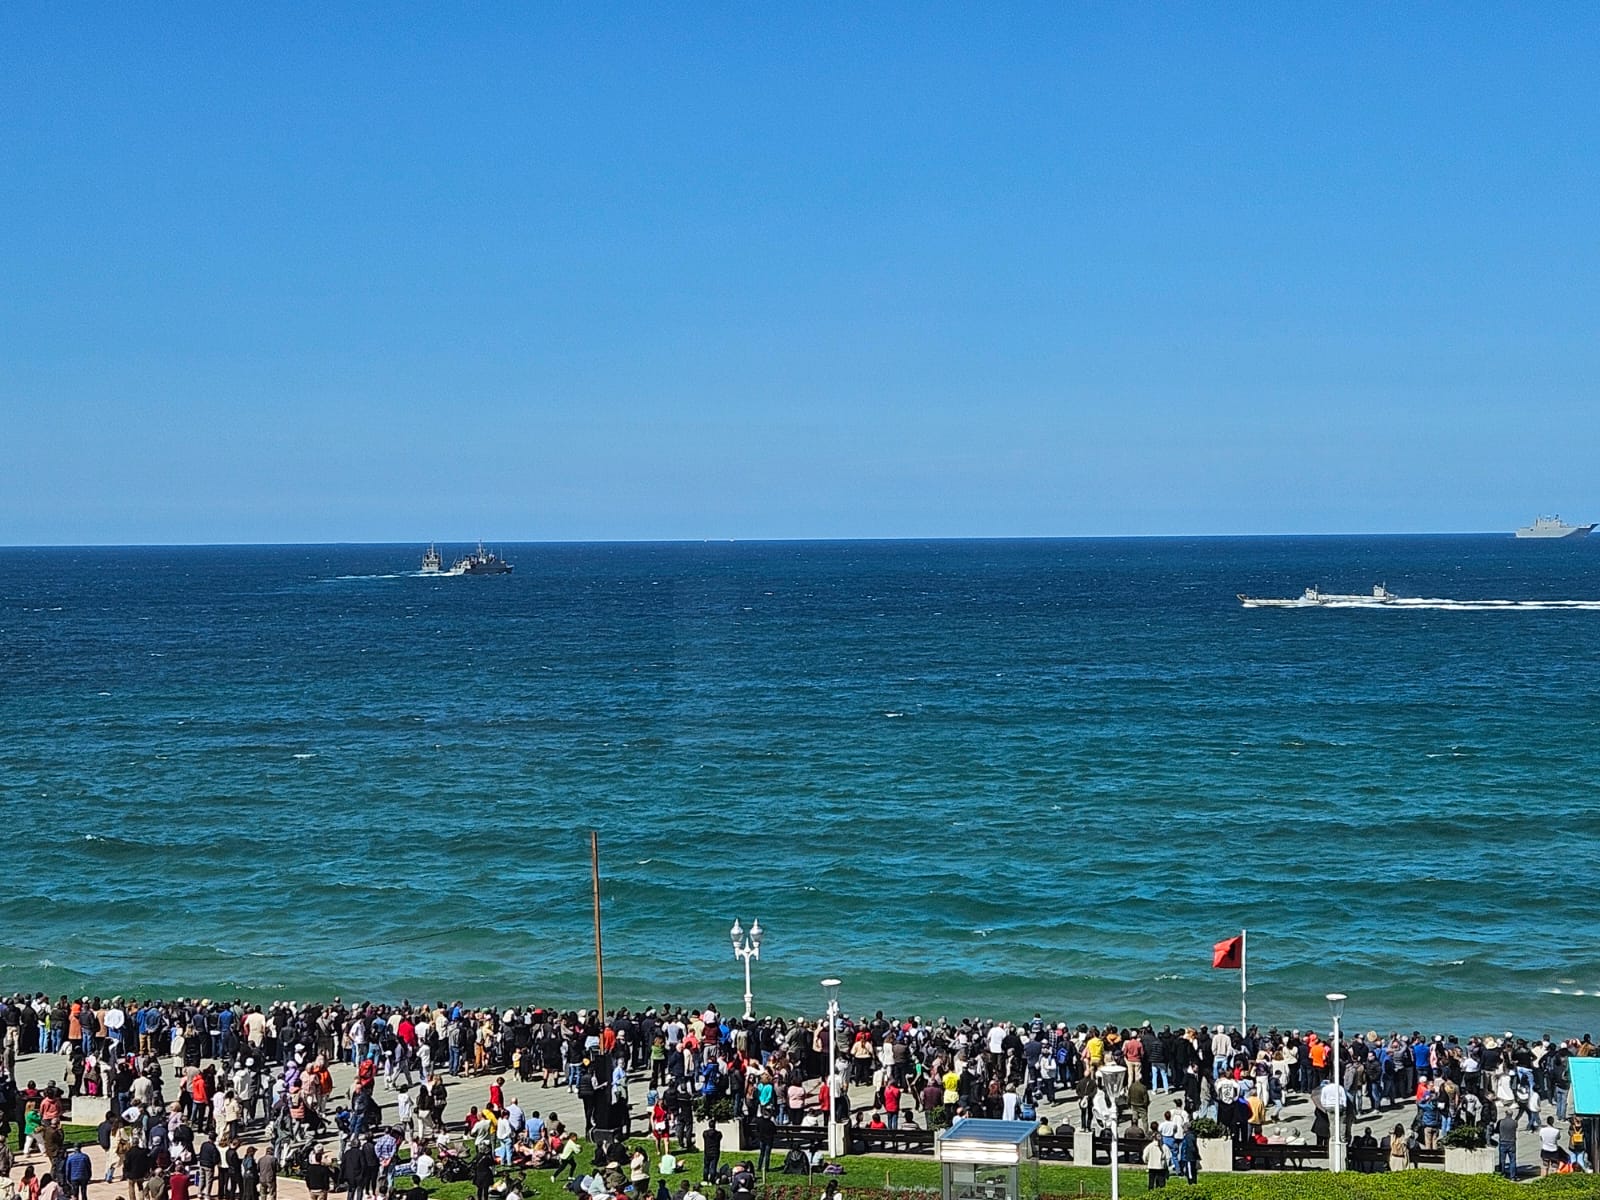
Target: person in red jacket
(199,1102)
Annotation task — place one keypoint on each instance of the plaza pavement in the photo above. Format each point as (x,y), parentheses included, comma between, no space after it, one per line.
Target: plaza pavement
(468,1091)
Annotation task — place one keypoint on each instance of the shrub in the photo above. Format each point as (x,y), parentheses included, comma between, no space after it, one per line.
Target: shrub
(1205,1127)
(714,1108)
(941,1116)
(1402,1185)
(1467,1137)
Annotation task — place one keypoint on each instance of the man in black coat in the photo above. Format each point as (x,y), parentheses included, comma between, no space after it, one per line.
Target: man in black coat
(359,1169)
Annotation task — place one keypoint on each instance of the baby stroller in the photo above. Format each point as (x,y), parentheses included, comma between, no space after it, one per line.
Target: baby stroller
(1028,1106)
(293,1157)
(454,1167)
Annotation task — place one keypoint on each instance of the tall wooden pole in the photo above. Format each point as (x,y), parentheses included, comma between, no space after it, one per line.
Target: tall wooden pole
(599,959)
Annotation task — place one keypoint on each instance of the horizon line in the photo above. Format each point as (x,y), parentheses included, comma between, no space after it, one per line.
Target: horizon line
(796,540)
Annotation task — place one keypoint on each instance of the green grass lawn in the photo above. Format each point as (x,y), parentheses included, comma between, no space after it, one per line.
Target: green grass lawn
(868,1172)
(861,1171)
(79,1135)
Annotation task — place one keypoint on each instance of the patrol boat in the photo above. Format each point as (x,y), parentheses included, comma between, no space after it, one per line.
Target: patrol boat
(432,564)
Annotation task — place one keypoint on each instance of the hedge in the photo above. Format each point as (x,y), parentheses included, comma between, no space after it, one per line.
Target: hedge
(1400,1185)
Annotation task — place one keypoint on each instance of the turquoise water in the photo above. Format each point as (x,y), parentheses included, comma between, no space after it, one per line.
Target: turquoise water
(963,776)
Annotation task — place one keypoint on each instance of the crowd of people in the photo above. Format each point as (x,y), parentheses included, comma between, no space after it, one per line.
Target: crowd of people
(190,1083)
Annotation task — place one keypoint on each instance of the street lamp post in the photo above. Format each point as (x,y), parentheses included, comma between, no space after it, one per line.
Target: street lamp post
(831,1074)
(1336,1089)
(1108,1114)
(746,948)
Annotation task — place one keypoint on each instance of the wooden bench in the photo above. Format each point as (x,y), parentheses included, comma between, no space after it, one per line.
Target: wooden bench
(1277,1156)
(892,1141)
(786,1137)
(1368,1160)
(1054,1147)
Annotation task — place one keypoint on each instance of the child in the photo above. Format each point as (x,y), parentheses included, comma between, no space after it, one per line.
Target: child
(30,1129)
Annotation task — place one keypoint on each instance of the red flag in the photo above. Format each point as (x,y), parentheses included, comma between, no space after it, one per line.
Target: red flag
(1228,954)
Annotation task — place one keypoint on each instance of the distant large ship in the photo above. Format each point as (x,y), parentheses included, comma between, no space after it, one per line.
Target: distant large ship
(1315,598)
(481,562)
(1553,527)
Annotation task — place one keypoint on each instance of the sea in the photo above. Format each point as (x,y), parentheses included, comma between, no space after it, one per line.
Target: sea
(963,777)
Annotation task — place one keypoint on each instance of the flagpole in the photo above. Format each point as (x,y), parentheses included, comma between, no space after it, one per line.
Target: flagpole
(1244,959)
(599,960)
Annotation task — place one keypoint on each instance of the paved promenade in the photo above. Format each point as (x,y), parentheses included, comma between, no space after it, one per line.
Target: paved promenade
(468,1091)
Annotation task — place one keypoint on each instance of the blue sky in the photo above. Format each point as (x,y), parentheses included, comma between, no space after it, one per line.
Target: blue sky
(327,273)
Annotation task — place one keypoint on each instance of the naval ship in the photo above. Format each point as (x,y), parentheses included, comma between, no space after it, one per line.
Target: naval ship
(1315,598)
(479,562)
(1553,527)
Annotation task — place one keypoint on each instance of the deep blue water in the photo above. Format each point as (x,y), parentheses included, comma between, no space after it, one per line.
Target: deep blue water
(964,776)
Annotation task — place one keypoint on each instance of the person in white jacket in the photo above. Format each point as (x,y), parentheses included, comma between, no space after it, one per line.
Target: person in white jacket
(1157,1161)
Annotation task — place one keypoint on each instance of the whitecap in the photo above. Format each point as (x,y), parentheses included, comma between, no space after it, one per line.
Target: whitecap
(46,963)
(644,862)
(305,755)
(983,932)
(894,714)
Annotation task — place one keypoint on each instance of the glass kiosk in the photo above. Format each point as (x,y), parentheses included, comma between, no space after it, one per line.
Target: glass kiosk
(988,1160)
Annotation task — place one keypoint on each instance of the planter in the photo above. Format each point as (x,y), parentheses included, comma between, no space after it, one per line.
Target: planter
(1082,1148)
(1460,1161)
(1216,1155)
(89,1110)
